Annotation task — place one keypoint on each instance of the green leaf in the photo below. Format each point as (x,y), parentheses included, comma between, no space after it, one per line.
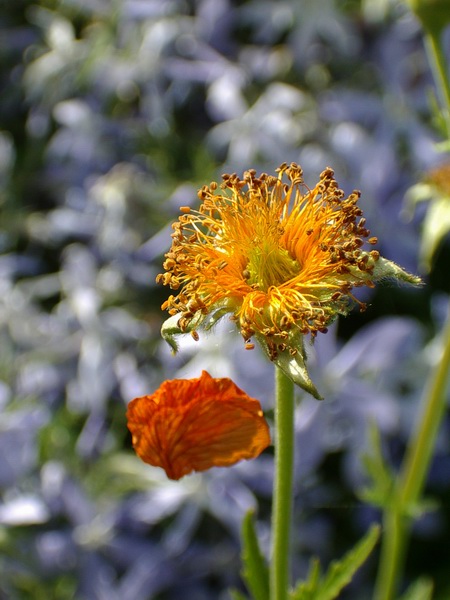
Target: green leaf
(380,488)
(237,595)
(254,572)
(307,590)
(421,589)
(339,573)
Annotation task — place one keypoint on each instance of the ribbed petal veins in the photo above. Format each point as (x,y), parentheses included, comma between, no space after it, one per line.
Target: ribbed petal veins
(195,424)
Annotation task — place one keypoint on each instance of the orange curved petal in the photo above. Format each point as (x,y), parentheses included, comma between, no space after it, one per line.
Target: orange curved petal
(195,424)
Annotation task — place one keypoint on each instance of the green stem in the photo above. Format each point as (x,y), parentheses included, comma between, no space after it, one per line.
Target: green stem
(282,487)
(411,480)
(420,450)
(392,552)
(439,67)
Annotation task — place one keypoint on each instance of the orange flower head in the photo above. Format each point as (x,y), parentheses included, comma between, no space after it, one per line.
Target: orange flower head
(195,424)
(281,258)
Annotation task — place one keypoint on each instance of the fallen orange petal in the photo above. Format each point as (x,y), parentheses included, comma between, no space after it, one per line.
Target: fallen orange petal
(195,424)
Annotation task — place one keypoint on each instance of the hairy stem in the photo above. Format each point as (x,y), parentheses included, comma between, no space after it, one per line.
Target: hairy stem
(282,489)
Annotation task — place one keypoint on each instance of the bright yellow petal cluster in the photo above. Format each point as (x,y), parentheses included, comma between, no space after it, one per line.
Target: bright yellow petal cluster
(280,257)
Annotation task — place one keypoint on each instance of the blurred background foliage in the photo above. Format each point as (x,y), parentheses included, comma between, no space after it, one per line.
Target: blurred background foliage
(112,114)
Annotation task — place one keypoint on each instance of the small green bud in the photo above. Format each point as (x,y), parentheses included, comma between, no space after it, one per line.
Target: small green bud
(433,14)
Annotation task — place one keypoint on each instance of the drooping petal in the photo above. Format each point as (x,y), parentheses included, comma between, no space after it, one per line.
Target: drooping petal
(195,424)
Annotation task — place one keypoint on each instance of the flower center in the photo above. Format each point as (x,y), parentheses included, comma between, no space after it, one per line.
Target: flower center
(269,265)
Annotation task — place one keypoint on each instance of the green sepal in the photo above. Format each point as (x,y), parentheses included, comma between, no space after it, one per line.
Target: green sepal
(339,574)
(422,589)
(386,269)
(255,572)
(294,366)
(170,329)
(379,269)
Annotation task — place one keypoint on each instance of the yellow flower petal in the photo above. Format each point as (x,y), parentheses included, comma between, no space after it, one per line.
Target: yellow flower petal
(195,424)
(281,258)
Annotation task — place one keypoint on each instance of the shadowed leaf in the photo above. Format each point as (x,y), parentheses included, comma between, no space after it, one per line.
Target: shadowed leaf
(339,574)
(421,589)
(254,572)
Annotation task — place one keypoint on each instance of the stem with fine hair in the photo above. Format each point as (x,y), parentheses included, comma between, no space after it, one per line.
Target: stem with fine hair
(282,487)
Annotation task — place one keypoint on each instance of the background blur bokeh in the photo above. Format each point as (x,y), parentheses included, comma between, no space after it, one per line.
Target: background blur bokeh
(112,114)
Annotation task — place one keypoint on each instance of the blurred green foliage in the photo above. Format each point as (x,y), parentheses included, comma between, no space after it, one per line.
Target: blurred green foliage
(112,114)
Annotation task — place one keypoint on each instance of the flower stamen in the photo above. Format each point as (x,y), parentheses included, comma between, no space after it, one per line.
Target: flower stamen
(282,259)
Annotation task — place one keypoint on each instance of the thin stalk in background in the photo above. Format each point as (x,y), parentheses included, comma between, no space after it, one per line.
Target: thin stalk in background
(282,488)
(411,480)
(420,451)
(439,67)
(412,477)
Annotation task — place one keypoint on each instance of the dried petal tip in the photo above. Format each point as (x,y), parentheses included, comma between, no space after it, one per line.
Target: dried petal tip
(195,424)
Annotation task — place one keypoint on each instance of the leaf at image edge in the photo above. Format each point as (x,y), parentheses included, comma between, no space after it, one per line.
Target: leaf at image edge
(307,589)
(254,571)
(421,589)
(339,573)
(237,595)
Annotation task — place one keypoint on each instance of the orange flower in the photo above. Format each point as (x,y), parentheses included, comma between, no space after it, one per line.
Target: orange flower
(279,257)
(195,424)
